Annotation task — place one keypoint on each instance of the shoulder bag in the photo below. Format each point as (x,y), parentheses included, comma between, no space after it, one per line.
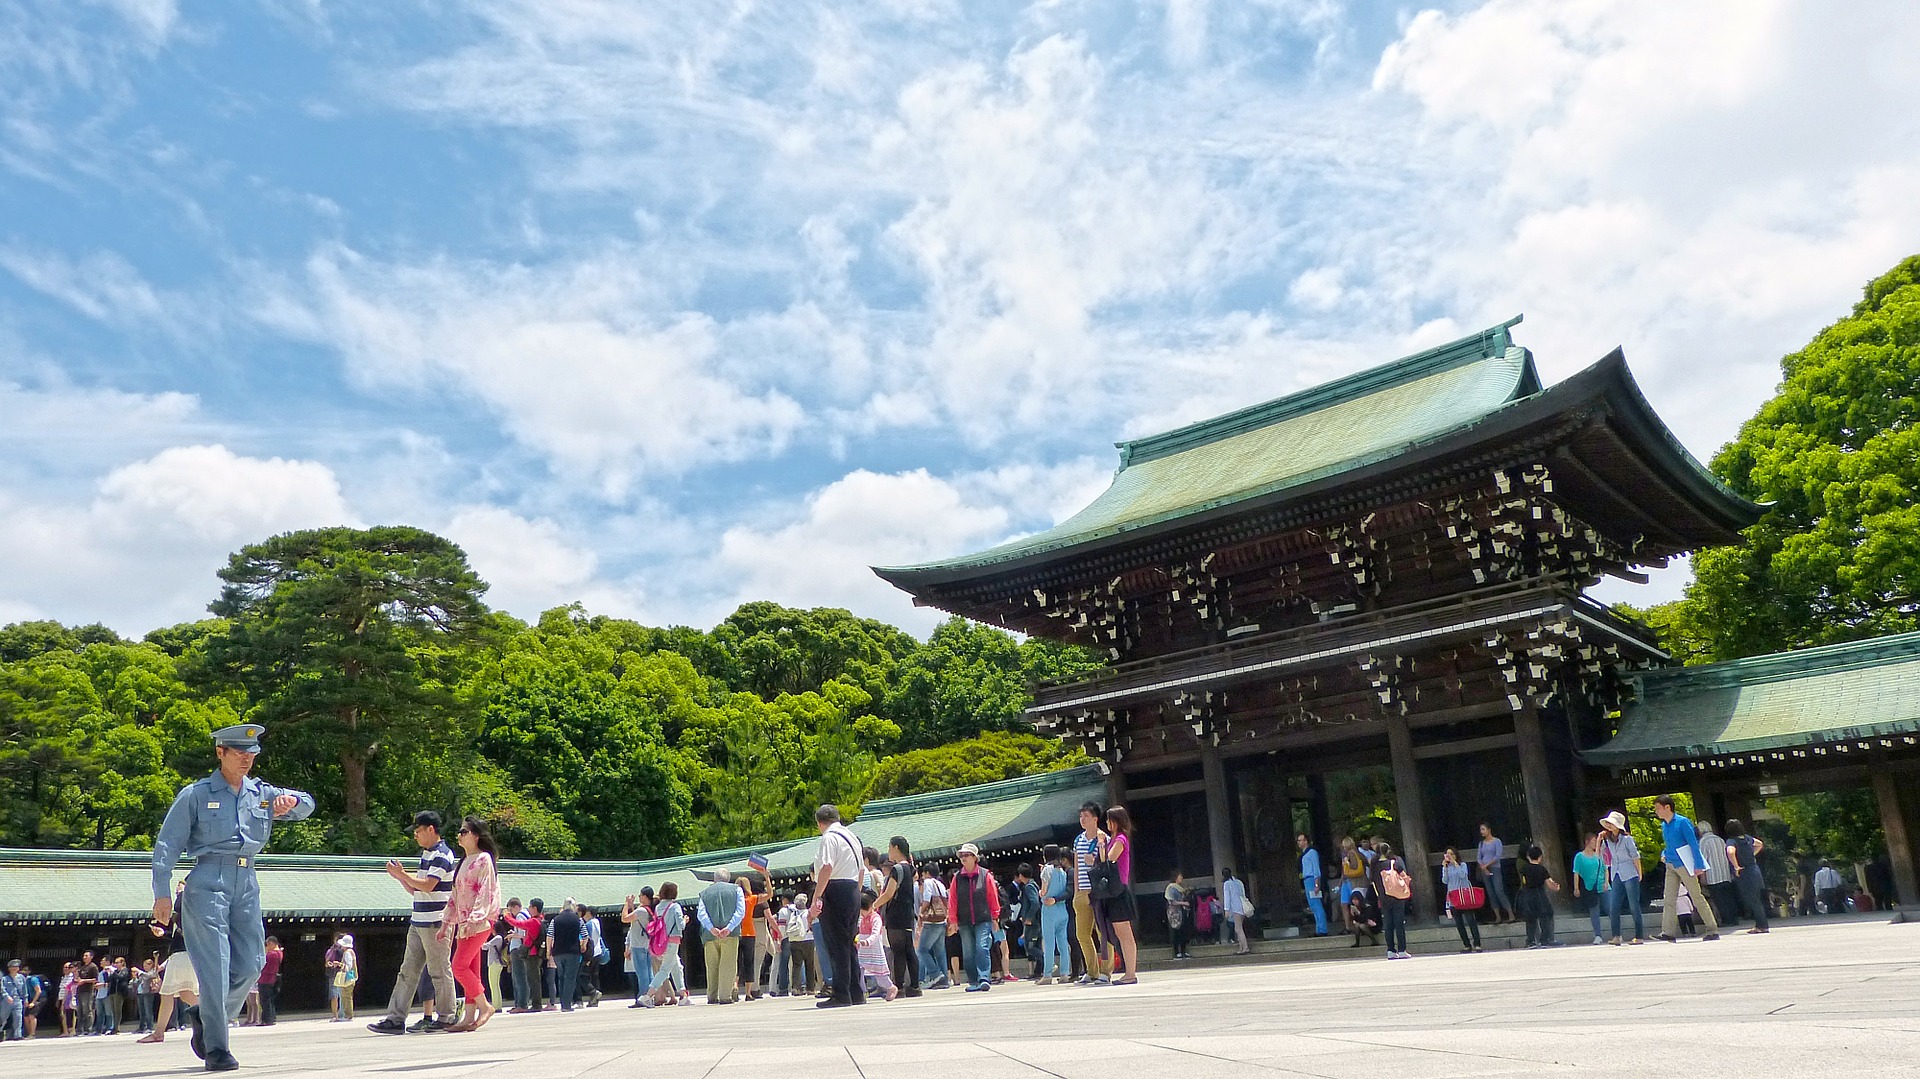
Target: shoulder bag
(1395,881)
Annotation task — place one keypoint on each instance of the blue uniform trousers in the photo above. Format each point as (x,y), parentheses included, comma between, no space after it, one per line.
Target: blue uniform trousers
(226,939)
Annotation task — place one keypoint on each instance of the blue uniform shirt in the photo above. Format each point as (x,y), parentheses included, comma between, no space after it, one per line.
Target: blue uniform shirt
(208,817)
(1310,868)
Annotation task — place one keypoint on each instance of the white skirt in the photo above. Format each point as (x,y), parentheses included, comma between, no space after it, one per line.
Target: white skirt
(178,975)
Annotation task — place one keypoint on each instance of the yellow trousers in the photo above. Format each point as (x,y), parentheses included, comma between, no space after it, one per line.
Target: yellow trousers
(1099,960)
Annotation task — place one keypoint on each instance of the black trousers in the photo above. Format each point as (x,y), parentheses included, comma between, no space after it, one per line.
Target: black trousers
(904,959)
(270,1003)
(1724,898)
(839,914)
(1753,895)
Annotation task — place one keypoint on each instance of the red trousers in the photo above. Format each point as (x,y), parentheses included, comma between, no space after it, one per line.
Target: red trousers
(466,965)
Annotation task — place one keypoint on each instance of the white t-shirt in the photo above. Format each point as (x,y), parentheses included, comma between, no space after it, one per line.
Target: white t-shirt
(931,889)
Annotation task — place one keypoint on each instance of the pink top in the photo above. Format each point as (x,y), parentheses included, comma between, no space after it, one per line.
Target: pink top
(475,901)
(1120,851)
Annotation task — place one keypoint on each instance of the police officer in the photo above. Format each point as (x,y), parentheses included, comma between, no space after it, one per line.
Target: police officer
(222,821)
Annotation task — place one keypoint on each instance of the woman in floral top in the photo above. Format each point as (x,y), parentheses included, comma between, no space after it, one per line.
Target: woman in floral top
(471,911)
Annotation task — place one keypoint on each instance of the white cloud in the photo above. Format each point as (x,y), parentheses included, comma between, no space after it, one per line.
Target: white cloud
(576,359)
(143,550)
(1706,184)
(103,286)
(154,20)
(820,556)
(1027,223)
(531,565)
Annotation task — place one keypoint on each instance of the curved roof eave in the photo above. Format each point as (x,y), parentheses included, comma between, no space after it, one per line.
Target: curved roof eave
(1608,382)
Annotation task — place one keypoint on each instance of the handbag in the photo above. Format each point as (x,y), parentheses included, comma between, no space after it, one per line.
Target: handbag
(1468,898)
(1103,880)
(1396,883)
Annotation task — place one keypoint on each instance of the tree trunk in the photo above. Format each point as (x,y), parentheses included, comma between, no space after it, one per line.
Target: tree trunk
(353,784)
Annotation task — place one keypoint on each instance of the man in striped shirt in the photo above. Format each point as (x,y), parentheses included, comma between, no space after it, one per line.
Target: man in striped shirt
(425,949)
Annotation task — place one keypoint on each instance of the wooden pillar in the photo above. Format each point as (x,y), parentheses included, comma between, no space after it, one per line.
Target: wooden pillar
(1543,819)
(1219,810)
(1412,811)
(1893,821)
(1116,787)
(1322,816)
(1703,807)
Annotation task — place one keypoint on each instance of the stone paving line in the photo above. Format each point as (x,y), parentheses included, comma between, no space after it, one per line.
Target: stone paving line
(1813,1000)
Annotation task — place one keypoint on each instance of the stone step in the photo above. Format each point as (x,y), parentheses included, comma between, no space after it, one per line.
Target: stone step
(1437,939)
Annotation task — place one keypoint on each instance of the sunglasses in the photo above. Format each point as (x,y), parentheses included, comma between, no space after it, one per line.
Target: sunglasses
(465,831)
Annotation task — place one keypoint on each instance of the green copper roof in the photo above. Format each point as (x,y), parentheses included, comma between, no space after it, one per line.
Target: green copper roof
(1838,693)
(80,885)
(1343,425)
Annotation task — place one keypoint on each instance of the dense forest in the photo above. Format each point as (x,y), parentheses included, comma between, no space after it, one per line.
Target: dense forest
(387,685)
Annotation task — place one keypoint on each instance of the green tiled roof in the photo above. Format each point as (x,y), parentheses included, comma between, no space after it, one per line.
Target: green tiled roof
(79,885)
(1327,430)
(1837,693)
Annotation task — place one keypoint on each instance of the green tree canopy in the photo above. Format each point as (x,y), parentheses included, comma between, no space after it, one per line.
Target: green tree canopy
(969,679)
(1837,454)
(341,639)
(985,758)
(390,688)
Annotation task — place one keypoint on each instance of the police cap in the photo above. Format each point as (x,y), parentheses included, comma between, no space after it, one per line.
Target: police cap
(244,736)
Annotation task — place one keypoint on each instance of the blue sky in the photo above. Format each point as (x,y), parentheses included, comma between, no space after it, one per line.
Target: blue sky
(666,307)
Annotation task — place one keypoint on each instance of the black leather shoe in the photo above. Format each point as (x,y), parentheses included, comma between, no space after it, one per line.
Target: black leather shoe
(197,1041)
(221,1061)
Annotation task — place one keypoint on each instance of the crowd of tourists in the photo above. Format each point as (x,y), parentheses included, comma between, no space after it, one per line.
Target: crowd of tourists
(1708,879)
(874,923)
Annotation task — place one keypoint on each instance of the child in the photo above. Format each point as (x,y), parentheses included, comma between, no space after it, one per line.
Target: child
(873,950)
(1684,907)
(1363,914)
(1535,906)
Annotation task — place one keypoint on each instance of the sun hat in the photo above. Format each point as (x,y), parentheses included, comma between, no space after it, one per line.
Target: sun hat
(969,848)
(1615,820)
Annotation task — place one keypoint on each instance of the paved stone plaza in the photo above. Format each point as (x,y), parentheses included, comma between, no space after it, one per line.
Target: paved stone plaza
(1819,1000)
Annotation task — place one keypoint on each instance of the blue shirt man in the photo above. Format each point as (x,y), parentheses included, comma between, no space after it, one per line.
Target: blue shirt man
(1685,865)
(1682,844)
(222,822)
(1310,877)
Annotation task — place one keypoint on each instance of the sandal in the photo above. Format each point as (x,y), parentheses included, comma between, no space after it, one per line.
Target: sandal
(153,1039)
(1128,980)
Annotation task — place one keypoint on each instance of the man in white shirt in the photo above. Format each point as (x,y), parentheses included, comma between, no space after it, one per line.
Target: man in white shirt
(1828,885)
(836,907)
(1719,879)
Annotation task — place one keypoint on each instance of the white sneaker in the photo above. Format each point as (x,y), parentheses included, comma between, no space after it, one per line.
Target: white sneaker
(1599,940)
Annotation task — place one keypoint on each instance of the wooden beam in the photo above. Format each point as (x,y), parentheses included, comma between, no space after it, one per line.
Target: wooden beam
(1167,790)
(1465,746)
